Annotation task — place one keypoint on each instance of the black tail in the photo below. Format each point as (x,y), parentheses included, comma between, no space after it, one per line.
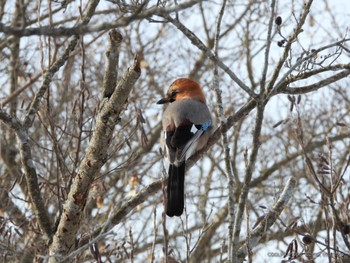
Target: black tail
(175,190)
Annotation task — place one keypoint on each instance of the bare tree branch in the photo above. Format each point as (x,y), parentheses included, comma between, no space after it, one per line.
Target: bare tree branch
(248,177)
(316,86)
(119,213)
(29,171)
(96,155)
(308,57)
(224,139)
(270,218)
(198,43)
(82,29)
(288,46)
(197,255)
(111,70)
(34,106)
(307,74)
(309,148)
(92,156)
(268,46)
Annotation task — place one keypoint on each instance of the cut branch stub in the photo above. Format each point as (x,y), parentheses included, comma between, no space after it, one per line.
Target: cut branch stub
(112,59)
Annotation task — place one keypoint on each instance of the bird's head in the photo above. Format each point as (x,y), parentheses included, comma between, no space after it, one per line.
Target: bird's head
(182,89)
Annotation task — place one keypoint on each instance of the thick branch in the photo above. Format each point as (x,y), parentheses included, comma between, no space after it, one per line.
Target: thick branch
(112,56)
(96,155)
(22,132)
(30,172)
(120,213)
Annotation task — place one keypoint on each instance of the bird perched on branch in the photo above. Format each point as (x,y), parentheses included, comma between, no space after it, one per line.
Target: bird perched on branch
(187,125)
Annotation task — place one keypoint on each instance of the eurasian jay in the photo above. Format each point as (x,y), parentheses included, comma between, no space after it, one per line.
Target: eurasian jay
(187,124)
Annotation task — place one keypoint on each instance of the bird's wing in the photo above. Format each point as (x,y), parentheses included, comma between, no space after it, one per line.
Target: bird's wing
(191,146)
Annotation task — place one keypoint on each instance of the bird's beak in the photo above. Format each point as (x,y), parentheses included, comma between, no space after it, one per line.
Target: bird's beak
(163,100)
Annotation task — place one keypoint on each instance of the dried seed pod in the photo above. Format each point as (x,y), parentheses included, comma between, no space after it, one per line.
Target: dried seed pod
(307,239)
(291,107)
(281,43)
(296,247)
(322,159)
(289,251)
(290,98)
(293,224)
(278,124)
(99,202)
(341,124)
(278,20)
(134,181)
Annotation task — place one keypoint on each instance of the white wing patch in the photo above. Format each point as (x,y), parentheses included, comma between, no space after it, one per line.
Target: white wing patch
(194,129)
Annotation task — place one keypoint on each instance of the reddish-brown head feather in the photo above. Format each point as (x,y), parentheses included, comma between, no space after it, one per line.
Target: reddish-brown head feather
(182,89)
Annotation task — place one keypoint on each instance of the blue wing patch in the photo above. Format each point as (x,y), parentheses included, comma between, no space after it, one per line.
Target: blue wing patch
(206,125)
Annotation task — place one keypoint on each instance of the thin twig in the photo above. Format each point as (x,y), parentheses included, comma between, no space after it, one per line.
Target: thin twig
(90,166)
(272,87)
(248,176)
(223,131)
(209,53)
(269,219)
(83,28)
(316,86)
(267,48)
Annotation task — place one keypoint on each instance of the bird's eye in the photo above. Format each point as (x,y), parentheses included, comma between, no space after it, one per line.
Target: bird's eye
(173,93)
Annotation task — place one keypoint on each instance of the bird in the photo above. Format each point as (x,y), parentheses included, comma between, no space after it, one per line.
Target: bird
(187,126)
